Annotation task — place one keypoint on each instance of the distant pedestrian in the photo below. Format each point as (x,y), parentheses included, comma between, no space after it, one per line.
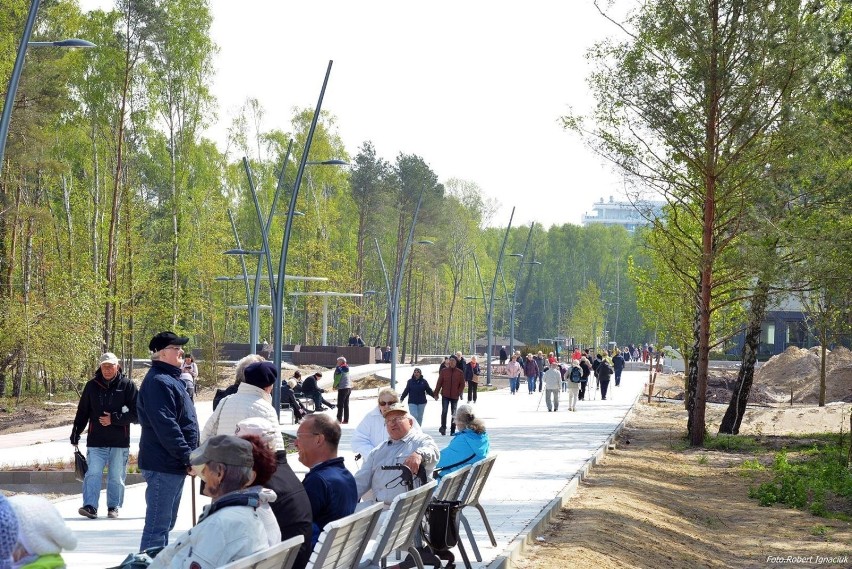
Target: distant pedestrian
(343,385)
(189,383)
(503,356)
(514,371)
(471,376)
(169,435)
(552,384)
(605,372)
(107,408)
(379,356)
(573,376)
(584,381)
(450,387)
(531,370)
(618,367)
(416,390)
(540,361)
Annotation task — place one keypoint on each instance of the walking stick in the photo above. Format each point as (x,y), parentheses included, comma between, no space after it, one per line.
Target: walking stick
(194,519)
(539,399)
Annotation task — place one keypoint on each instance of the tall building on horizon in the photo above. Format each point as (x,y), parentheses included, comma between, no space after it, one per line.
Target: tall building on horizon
(627,214)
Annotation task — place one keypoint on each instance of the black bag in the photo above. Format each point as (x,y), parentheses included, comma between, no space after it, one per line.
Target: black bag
(80,465)
(576,375)
(440,528)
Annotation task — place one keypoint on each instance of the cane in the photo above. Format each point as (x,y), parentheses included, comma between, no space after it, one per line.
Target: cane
(539,399)
(193,502)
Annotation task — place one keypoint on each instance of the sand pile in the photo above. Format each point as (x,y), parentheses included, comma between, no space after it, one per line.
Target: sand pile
(797,370)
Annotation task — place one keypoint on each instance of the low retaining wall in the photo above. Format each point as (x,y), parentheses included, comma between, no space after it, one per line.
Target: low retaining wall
(49,482)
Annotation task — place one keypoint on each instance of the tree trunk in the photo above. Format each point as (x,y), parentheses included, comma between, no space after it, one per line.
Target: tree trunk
(822,357)
(736,408)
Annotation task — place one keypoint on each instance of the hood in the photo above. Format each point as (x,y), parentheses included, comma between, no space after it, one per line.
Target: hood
(477,443)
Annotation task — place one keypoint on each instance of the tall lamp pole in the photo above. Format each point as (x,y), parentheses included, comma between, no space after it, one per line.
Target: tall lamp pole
(491,301)
(515,288)
(15,78)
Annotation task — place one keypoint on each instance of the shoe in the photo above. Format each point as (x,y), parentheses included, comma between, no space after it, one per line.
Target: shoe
(332,406)
(344,422)
(88,512)
(443,431)
(603,398)
(112,513)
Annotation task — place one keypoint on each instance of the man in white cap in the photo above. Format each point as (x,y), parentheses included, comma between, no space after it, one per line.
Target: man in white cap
(406,447)
(106,409)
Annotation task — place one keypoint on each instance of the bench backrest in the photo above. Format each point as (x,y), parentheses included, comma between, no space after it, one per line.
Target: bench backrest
(401,521)
(452,484)
(279,556)
(342,542)
(476,482)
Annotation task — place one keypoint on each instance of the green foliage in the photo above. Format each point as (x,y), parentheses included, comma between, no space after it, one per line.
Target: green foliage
(812,483)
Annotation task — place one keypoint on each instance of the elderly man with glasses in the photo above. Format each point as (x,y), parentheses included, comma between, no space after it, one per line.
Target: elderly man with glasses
(371,431)
(169,434)
(404,448)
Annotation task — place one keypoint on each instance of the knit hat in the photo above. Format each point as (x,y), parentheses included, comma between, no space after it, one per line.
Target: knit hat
(8,532)
(261,374)
(41,529)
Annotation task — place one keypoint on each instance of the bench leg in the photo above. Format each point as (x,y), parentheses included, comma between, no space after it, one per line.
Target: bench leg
(473,546)
(487,525)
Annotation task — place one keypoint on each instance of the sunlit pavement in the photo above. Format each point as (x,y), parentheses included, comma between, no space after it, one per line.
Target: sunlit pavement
(539,453)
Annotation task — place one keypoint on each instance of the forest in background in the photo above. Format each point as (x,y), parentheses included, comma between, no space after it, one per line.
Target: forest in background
(116,211)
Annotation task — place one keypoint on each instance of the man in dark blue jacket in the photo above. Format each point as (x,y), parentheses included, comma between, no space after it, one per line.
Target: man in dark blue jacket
(169,435)
(107,407)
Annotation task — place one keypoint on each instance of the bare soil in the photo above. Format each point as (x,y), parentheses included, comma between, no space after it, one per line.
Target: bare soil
(653,502)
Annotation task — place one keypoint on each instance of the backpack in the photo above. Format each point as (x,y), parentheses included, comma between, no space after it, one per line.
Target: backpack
(576,374)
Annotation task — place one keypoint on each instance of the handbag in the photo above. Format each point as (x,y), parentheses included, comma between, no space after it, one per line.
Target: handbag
(440,526)
(80,465)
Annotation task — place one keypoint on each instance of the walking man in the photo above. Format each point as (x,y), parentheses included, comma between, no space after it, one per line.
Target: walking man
(107,407)
(552,383)
(450,387)
(169,435)
(618,366)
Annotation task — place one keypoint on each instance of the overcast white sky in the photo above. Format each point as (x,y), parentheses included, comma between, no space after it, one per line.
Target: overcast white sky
(475,88)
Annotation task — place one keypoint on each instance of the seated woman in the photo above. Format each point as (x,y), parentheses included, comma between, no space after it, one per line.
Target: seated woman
(288,395)
(38,538)
(469,444)
(230,527)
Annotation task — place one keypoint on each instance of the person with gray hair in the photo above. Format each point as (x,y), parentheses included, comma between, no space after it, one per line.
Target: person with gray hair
(404,446)
(239,377)
(230,527)
(470,444)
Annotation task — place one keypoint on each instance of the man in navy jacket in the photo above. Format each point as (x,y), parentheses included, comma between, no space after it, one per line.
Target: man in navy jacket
(169,435)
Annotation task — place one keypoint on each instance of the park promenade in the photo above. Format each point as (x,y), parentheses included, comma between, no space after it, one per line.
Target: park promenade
(541,457)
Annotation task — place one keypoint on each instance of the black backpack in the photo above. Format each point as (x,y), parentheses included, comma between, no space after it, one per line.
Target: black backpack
(576,374)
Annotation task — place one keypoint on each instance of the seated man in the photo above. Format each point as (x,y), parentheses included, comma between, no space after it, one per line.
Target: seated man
(371,431)
(406,446)
(311,388)
(331,488)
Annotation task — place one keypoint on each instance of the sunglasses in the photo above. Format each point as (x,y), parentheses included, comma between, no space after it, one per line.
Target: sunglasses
(384,403)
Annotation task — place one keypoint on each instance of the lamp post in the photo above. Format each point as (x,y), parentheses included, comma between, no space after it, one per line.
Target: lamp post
(393,298)
(325,296)
(491,302)
(515,288)
(15,78)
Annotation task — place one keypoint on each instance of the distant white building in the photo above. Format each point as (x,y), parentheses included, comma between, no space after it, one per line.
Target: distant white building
(626,214)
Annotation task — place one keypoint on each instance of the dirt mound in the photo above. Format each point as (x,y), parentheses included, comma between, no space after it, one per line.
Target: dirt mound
(797,371)
(369,382)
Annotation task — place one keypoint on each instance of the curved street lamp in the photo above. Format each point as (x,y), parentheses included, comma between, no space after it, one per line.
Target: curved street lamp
(14,79)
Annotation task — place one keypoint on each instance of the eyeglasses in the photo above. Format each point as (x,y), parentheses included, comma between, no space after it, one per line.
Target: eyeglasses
(173,348)
(303,435)
(383,403)
(395,420)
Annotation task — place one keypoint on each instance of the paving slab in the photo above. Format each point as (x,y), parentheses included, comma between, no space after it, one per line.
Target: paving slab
(539,454)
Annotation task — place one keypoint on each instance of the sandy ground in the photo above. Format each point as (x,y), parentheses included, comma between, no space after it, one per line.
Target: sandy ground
(653,502)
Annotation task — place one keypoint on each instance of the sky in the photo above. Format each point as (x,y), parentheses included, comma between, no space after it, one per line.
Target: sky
(474,88)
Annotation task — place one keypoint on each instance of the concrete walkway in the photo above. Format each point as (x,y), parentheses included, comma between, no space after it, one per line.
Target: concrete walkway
(541,456)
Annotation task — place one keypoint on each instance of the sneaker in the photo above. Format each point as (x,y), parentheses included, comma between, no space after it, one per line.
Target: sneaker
(88,512)
(112,513)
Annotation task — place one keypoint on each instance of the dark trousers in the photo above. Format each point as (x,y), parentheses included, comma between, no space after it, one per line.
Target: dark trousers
(604,386)
(583,385)
(319,400)
(471,391)
(617,377)
(343,404)
(540,375)
(452,403)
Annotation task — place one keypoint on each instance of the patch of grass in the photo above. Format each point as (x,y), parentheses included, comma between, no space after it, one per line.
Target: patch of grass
(732,443)
(819,530)
(820,483)
(749,467)
(703,459)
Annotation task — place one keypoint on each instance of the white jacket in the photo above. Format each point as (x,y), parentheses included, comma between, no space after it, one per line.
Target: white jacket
(227,535)
(249,401)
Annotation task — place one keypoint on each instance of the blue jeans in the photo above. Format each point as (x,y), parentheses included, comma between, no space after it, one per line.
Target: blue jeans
(531,382)
(417,410)
(514,384)
(99,457)
(162,499)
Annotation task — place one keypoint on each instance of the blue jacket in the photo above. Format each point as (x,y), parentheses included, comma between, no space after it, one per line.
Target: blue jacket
(168,420)
(332,492)
(463,444)
(417,390)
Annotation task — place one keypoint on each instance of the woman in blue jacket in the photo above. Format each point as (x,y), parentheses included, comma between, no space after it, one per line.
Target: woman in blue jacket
(417,387)
(469,444)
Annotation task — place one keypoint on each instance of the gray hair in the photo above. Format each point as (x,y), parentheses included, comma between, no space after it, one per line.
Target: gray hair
(389,391)
(233,478)
(240,371)
(466,419)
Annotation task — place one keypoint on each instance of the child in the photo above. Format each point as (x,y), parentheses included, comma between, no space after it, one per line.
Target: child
(42,534)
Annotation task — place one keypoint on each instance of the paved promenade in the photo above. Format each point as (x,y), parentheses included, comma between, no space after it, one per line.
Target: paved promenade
(540,458)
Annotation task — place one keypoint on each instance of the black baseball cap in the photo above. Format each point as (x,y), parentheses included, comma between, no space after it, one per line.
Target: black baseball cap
(164,339)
